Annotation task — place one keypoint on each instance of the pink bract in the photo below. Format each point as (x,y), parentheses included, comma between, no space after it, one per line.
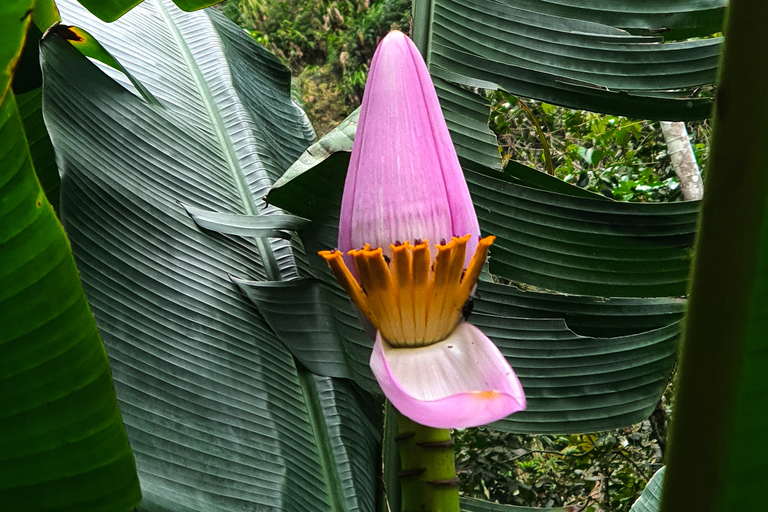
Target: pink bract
(404,180)
(463,381)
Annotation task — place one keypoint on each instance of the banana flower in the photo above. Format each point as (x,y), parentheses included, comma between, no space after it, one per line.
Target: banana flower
(410,253)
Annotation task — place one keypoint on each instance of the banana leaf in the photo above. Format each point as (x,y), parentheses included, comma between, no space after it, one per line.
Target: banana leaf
(568,55)
(62,442)
(154,197)
(673,20)
(649,499)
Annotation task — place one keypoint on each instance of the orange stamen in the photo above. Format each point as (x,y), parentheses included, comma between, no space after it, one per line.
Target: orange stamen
(412,300)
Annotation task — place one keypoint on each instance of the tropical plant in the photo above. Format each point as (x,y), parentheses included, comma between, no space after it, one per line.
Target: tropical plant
(63,440)
(206,298)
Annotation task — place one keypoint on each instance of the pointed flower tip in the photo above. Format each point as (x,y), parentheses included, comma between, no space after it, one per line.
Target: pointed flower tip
(395,36)
(461,382)
(397,40)
(404,180)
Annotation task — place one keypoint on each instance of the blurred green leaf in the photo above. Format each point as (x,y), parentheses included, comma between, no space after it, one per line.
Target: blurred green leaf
(30,108)
(715,460)
(15,17)
(62,442)
(574,383)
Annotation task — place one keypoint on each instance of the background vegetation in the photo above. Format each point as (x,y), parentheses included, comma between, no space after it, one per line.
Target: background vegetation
(328,45)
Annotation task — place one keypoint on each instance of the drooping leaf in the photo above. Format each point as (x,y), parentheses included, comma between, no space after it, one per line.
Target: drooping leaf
(91,47)
(567,61)
(524,175)
(317,324)
(220,415)
(579,384)
(673,20)
(585,246)
(585,315)
(62,442)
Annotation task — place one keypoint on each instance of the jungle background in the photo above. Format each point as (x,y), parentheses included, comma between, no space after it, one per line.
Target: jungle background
(328,45)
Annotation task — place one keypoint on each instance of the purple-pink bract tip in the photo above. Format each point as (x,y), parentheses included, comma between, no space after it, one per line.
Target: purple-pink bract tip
(404,180)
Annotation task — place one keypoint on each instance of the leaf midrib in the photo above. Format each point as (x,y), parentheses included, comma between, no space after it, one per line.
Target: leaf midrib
(268,259)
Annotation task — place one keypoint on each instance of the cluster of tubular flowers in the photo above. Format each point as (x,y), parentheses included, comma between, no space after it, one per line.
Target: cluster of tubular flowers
(410,253)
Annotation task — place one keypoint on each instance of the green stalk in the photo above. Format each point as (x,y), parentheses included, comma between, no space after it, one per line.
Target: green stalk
(427,468)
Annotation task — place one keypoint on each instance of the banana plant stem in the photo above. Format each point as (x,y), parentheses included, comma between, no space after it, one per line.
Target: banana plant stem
(428,479)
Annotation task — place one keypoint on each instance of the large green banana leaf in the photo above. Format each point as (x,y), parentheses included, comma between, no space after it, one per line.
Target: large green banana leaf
(678,19)
(549,52)
(219,414)
(610,376)
(62,442)
(585,246)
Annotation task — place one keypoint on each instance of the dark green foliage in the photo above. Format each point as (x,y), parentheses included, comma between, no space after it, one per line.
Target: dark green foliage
(227,420)
(606,470)
(617,157)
